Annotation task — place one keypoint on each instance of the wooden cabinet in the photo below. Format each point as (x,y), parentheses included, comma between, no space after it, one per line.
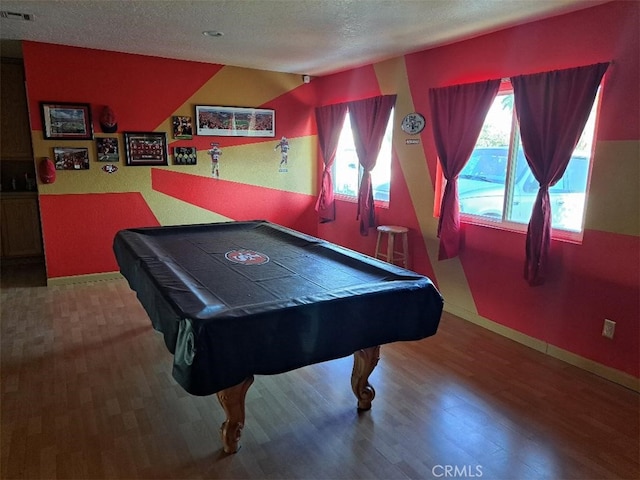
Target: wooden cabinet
(20,235)
(15,130)
(20,220)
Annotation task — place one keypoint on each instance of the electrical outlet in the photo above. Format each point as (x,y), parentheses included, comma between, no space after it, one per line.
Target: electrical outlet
(609,328)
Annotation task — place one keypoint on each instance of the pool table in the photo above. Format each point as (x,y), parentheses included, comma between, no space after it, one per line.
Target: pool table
(238,299)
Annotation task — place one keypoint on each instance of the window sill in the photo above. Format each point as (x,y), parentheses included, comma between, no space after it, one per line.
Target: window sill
(556,234)
(352,199)
(345,198)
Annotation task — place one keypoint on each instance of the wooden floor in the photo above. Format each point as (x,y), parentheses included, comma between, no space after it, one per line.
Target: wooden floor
(87,393)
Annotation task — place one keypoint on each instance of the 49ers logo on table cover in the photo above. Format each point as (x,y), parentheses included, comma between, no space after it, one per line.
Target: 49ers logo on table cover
(246,257)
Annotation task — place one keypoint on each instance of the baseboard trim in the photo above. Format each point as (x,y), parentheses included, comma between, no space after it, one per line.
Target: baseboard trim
(608,373)
(94,277)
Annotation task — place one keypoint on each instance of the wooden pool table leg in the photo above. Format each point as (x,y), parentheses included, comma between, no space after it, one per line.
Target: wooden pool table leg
(364,361)
(232,401)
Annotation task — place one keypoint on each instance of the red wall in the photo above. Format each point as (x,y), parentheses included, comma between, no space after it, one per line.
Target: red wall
(240,201)
(82,211)
(81,227)
(588,282)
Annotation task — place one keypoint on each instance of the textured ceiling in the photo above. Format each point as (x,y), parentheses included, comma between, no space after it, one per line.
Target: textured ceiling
(313,37)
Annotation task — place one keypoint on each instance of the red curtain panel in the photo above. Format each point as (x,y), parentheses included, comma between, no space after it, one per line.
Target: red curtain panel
(457,115)
(552,109)
(329,119)
(369,119)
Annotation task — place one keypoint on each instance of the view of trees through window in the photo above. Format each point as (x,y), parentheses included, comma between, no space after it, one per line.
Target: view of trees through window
(497,185)
(347,170)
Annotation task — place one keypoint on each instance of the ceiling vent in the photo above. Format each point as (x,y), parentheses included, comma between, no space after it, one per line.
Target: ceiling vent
(17,16)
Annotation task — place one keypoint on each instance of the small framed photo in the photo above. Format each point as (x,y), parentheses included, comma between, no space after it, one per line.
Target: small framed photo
(235,121)
(107,149)
(185,156)
(146,148)
(183,127)
(67,158)
(68,121)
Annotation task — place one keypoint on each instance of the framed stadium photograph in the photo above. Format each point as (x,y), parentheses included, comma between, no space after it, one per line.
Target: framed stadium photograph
(71,158)
(146,148)
(235,121)
(68,121)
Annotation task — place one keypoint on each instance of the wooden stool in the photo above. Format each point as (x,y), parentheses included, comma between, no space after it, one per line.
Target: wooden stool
(393,256)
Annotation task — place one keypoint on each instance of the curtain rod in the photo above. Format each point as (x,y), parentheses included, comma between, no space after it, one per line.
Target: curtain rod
(508,79)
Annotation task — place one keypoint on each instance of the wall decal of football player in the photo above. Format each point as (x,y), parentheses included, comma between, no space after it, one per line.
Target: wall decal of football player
(283,145)
(215,153)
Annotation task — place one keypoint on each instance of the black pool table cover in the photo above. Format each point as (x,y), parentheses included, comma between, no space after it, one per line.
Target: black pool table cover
(309,300)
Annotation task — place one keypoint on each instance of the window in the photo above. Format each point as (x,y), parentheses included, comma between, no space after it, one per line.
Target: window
(347,170)
(496,186)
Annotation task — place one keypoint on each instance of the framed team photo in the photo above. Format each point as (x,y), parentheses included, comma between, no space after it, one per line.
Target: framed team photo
(235,121)
(146,148)
(107,149)
(185,156)
(67,158)
(68,121)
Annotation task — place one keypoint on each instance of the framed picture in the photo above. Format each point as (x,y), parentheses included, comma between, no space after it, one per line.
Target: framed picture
(69,121)
(185,156)
(107,149)
(67,158)
(183,127)
(146,148)
(235,121)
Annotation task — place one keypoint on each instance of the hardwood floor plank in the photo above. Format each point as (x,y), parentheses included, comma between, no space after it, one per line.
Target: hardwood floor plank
(87,393)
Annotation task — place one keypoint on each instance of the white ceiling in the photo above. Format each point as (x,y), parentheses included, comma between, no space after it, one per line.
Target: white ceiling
(313,37)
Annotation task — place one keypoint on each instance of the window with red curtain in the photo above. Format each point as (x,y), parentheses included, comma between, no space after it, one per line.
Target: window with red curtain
(347,171)
(552,108)
(369,118)
(457,114)
(329,119)
(496,187)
